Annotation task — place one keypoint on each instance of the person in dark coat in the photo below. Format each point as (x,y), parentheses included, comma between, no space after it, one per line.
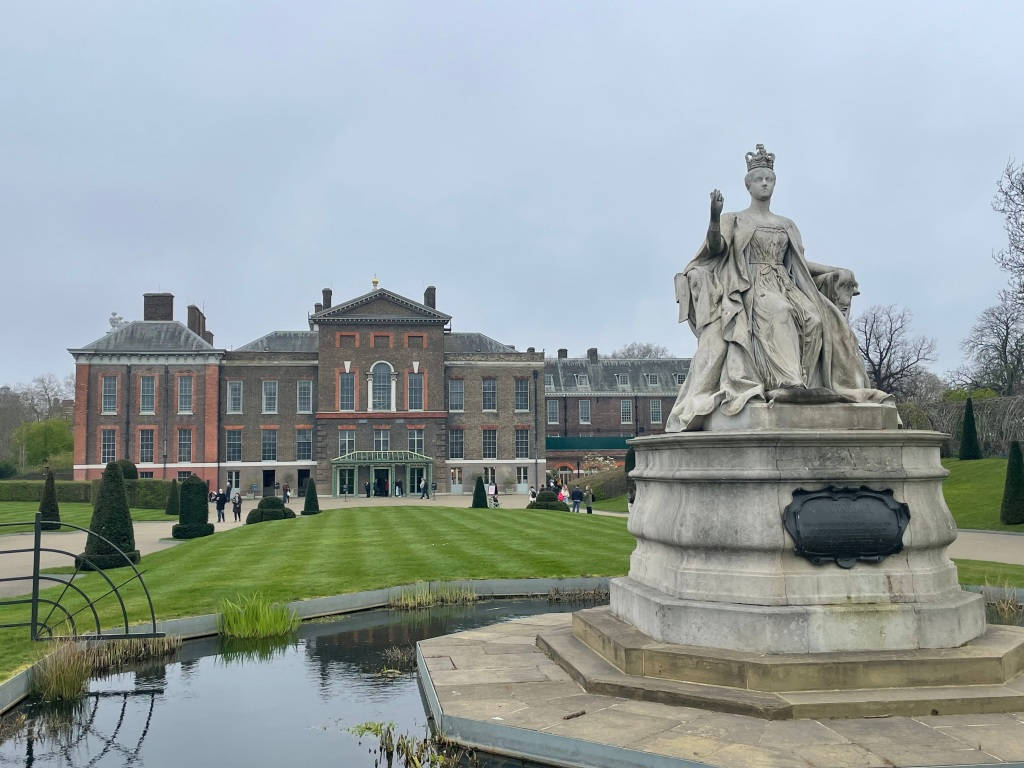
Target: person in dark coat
(221,501)
(367,487)
(236,506)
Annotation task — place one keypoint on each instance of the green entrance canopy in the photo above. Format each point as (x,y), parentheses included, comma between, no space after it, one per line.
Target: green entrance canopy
(406,466)
(382,457)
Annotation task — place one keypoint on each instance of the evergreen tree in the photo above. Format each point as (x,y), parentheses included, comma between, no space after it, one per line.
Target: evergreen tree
(172,507)
(128,469)
(969,447)
(48,505)
(312,504)
(1012,510)
(111,520)
(479,495)
(194,510)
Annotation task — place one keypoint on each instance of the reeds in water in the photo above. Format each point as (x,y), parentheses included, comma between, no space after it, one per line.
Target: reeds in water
(256,616)
(424,595)
(1003,602)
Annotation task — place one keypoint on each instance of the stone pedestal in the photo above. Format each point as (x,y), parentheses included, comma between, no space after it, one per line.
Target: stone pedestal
(715,567)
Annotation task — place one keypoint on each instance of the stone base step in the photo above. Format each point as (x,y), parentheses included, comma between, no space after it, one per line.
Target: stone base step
(599,676)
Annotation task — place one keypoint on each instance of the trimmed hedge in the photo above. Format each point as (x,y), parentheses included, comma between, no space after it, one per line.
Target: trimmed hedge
(269,508)
(1011,511)
(312,503)
(546,496)
(142,494)
(48,508)
(128,469)
(479,495)
(32,490)
(561,506)
(194,506)
(970,448)
(110,519)
(172,506)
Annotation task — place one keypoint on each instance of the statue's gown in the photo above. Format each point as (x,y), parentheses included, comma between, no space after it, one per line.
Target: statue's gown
(761,324)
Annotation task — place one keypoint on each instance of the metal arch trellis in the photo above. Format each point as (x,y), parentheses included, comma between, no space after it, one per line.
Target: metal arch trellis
(42,629)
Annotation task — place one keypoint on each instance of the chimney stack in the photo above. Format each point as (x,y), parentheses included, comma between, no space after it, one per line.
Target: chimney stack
(430,297)
(327,298)
(195,320)
(318,307)
(592,354)
(563,353)
(208,337)
(530,350)
(158,306)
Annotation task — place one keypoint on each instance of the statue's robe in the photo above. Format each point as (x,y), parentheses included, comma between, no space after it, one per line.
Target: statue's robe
(714,297)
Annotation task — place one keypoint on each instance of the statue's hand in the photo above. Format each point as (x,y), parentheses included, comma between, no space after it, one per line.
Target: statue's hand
(717,201)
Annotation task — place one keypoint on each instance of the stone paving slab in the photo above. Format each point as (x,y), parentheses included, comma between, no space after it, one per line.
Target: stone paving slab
(528,695)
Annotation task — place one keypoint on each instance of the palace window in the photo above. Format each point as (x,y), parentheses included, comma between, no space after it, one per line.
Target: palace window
(303,444)
(522,475)
(234,397)
(416,440)
(147,394)
(456,395)
(381,387)
(490,444)
(549,380)
(304,397)
(489,394)
(655,411)
(108,443)
(270,397)
(346,392)
(625,411)
(678,378)
(652,379)
(184,446)
(382,439)
(184,394)
(233,445)
(622,379)
(552,411)
(583,380)
(456,448)
(146,446)
(109,404)
(147,475)
(522,395)
(415,391)
(584,411)
(488,475)
(268,445)
(522,443)
(183,474)
(346,441)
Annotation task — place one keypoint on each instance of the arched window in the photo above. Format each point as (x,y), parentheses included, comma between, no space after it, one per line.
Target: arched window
(381,387)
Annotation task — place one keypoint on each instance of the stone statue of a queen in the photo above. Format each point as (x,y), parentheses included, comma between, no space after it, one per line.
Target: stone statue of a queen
(770,325)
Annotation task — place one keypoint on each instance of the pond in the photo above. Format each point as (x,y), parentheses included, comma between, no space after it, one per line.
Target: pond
(269,707)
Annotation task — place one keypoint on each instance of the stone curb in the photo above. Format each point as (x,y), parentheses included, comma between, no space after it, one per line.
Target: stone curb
(17,688)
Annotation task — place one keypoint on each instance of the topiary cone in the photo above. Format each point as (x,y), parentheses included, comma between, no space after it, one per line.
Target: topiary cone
(479,495)
(194,510)
(1012,510)
(172,507)
(48,505)
(312,503)
(111,520)
(969,446)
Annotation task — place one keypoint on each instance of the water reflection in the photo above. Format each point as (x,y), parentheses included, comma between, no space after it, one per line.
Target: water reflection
(254,704)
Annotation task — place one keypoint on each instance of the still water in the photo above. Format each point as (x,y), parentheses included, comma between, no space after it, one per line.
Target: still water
(288,705)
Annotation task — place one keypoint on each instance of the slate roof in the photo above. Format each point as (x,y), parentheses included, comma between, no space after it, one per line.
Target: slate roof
(601,375)
(348,310)
(470,343)
(152,336)
(284,341)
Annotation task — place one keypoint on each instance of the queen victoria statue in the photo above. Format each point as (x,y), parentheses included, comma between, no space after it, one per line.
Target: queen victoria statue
(770,325)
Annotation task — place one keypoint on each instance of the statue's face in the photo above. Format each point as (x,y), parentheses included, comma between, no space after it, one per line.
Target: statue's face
(761,183)
(846,289)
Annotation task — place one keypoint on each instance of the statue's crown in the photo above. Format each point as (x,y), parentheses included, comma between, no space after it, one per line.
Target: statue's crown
(760,159)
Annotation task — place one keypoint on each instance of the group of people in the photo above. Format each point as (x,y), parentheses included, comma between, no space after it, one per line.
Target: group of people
(382,489)
(221,499)
(575,497)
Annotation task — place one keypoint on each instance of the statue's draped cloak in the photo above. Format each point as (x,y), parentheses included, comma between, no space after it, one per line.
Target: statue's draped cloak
(714,297)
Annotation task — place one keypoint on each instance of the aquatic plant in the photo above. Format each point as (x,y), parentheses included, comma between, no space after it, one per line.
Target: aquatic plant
(62,674)
(596,596)
(398,659)
(412,752)
(424,595)
(255,615)
(1004,604)
(107,655)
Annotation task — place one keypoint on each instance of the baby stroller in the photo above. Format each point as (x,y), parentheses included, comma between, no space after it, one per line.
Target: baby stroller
(493,502)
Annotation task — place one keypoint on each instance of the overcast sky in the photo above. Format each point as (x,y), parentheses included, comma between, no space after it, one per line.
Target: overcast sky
(545,164)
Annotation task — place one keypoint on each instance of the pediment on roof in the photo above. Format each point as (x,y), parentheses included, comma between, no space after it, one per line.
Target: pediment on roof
(380,306)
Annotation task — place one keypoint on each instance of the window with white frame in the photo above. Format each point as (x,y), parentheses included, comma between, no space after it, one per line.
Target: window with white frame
(456,447)
(109,404)
(655,411)
(625,411)
(234,397)
(549,380)
(415,391)
(381,387)
(270,397)
(304,397)
(147,394)
(145,475)
(184,446)
(382,439)
(108,445)
(489,394)
(583,380)
(584,411)
(622,379)
(146,443)
(303,444)
(522,394)
(678,378)
(652,379)
(346,391)
(185,394)
(456,394)
(490,444)
(416,440)
(488,475)
(522,443)
(268,445)
(522,475)
(183,474)
(346,441)
(552,411)
(233,445)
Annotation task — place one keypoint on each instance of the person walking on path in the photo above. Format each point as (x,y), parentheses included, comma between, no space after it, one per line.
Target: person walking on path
(220,502)
(367,487)
(424,494)
(236,506)
(588,500)
(533,494)
(577,497)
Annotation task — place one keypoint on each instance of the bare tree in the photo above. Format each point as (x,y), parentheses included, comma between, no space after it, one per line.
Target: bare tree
(43,396)
(995,349)
(1009,201)
(639,350)
(893,358)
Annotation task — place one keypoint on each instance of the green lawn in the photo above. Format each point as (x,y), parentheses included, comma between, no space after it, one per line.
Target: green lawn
(614,504)
(974,492)
(996,574)
(348,550)
(76,513)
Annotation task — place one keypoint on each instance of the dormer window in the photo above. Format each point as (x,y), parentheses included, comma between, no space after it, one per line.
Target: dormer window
(622,379)
(652,379)
(678,378)
(549,379)
(582,380)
